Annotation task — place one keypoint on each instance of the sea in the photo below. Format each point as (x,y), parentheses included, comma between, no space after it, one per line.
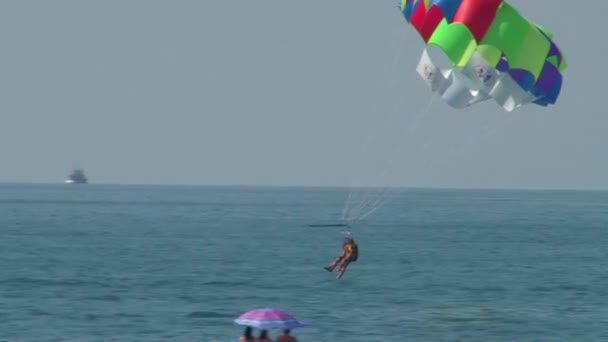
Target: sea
(83,263)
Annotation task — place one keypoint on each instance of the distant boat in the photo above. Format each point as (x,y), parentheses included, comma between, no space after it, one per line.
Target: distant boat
(76,177)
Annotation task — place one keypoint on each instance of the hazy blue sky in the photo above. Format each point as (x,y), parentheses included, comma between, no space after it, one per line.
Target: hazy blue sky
(281,93)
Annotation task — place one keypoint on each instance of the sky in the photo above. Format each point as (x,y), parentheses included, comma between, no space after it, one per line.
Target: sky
(275,92)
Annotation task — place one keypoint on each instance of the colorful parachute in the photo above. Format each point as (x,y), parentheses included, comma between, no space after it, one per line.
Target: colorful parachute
(493,52)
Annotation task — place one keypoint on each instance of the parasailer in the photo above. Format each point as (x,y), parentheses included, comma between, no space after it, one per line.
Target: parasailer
(491,52)
(350,253)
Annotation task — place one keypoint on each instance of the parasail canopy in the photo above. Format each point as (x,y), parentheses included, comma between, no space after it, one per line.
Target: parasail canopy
(491,52)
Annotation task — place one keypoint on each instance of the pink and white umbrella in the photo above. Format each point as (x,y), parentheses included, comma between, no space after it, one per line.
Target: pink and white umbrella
(269,318)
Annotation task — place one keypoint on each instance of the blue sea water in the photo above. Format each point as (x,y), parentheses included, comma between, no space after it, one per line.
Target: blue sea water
(164,263)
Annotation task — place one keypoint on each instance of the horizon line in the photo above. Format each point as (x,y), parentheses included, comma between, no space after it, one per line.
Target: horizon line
(236,185)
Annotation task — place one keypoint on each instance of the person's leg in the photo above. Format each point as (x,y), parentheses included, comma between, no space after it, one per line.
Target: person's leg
(342,268)
(333,264)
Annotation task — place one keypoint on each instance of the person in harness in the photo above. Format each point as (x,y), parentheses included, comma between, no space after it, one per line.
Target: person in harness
(350,253)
